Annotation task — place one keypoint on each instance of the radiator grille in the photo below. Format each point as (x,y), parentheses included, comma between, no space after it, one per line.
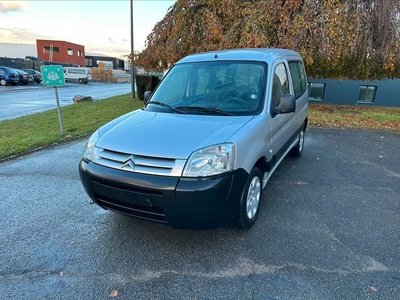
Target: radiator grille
(139,163)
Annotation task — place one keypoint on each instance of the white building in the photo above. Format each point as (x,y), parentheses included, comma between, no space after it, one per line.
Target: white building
(17,50)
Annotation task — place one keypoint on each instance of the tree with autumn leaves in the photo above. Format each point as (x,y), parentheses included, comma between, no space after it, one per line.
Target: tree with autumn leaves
(337,38)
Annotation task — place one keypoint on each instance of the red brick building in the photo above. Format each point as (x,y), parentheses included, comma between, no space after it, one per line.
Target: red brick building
(61,52)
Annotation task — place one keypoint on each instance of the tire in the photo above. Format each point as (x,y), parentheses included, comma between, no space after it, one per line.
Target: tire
(85,82)
(79,80)
(3,82)
(297,150)
(250,200)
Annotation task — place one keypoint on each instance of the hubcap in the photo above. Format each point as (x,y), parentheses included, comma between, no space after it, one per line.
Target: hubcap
(301,141)
(253,197)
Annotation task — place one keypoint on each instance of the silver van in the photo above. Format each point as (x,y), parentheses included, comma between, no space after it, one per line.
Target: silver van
(207,141)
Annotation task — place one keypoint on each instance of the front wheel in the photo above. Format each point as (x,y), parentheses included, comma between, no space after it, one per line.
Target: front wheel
(3,82)
(250,200)
(298,149)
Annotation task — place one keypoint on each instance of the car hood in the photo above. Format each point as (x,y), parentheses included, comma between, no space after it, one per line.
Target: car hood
(168,135)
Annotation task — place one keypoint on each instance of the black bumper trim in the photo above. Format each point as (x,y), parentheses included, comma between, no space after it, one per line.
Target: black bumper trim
(187,203)
(138,211)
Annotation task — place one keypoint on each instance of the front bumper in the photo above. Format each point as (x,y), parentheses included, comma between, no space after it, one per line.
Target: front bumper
(12,81)
(186,203)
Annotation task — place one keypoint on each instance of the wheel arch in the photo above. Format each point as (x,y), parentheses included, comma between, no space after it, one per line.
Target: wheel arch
(263,165)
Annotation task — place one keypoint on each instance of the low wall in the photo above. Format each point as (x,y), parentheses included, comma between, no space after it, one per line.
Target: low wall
(355,92)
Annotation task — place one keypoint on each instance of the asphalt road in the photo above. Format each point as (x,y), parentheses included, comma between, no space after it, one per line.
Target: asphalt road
(329,228)
(18,101)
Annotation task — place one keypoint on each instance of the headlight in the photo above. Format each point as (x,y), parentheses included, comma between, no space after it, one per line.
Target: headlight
(87,155)
(212,160)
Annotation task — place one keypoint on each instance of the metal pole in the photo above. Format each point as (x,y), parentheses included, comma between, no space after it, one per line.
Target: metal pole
(59,111)
(132,51)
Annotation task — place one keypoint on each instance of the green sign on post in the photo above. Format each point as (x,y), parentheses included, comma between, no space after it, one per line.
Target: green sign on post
(53,75)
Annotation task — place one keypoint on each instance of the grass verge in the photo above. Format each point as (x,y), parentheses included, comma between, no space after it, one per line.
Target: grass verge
(26,133)
(342,116)
(21,135)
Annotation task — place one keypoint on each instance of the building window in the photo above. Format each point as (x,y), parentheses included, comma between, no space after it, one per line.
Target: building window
(367,93)
(89,62)
(316,91)
(104,64)
(70,51)
(79,53)
(51,49)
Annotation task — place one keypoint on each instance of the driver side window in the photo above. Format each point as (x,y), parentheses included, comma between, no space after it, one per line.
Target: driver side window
(280,84)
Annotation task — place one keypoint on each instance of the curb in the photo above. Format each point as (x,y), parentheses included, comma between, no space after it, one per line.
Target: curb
(66,141)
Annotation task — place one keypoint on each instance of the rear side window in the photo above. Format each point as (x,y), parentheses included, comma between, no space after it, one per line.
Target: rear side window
(298,77)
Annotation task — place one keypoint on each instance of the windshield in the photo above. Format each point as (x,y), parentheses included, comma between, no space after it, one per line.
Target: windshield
(12,71)
(228,88)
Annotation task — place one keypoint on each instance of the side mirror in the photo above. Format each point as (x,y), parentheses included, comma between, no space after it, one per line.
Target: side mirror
(287,104)
(146,97)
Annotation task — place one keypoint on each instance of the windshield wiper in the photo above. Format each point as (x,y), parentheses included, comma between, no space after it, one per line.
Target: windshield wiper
(169,107)
(214,111)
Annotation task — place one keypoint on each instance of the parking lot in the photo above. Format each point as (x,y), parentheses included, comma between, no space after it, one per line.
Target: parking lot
(22,100)
(328,229)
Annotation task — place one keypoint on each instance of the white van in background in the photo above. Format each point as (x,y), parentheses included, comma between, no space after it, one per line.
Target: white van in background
(77,74)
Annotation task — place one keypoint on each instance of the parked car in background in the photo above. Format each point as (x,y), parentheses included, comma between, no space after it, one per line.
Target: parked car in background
(24,78)
(37,76)
(8,76)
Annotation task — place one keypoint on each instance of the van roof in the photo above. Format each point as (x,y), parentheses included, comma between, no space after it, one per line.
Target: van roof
(251,54)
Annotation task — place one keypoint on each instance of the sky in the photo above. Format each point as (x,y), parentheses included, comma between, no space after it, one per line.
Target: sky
(102,26)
